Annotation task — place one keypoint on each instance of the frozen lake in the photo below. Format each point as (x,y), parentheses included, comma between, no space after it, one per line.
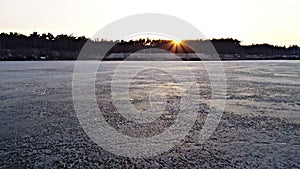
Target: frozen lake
(259,127)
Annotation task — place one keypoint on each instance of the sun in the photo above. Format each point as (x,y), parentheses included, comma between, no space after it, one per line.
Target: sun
(176,46)
(176,42)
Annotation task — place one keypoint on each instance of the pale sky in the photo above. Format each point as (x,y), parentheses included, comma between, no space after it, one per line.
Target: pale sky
(253,21)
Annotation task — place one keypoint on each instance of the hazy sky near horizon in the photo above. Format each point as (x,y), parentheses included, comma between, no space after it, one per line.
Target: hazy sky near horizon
(252,21)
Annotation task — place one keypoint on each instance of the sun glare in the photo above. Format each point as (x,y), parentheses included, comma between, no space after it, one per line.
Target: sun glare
(176,42)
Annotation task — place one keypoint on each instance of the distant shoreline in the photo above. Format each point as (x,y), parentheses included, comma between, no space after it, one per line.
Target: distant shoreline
(18,47)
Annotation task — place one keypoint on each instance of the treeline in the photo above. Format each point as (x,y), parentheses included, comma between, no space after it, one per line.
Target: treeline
(15,46)
(233,46)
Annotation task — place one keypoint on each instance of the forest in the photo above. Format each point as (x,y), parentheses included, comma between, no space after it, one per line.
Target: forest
(46,46)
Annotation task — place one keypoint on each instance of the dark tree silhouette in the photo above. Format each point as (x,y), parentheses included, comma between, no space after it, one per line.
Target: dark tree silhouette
(15,46)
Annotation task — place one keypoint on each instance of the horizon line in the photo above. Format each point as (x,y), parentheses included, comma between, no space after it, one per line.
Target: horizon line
(118,40)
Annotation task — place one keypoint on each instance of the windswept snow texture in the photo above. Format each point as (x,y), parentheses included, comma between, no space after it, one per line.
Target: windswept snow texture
(259,127)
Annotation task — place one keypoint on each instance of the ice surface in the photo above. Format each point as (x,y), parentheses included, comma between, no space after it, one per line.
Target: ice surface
(259,128)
